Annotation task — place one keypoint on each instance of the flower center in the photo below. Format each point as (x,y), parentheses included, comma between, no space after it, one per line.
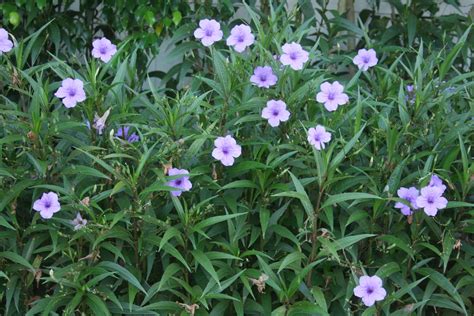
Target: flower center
(317,137)
(263,78)
(179,182)
(208,32)
(103,50)
(293,55)
(370,290)
(366,59)
(47,204)
(331,96)
(430,200)
(72,92)
(275,112)
(225,151)
(240,38)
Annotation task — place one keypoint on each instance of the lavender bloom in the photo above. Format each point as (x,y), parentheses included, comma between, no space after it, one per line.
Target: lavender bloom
(332,95)
(410,94)
(294,56)
(436,181)
(410,88)
(410,195)
(370,290)
(123,133)
(240,37)
(79,222)
(209,31)
(318,137)
(103,49)
(181,184)
(365,59)
(275,112)
(99,121)
(263,77)
(431,200)
(71,91)
(226,149)
(6,44)
(47,205)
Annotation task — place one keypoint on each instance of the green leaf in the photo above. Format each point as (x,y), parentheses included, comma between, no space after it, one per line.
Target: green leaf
(124,273)
(338,198)
(204,261)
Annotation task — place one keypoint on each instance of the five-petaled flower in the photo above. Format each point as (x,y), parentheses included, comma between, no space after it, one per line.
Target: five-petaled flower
(275,112)
(103,49)
(99,121)
(318,137)
(79,222)
(332,95)
(123,134)
(410,195)
(365,59)
(370,290)
(226,150)
(240,37)
(431,200)
(47,205)
(209,31)
(294,56)
(6,44)
(71,91)
(263,77)
(180,184)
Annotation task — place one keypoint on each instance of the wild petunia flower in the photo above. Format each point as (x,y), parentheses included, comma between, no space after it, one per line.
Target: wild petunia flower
(410,195)
(6,44)
(123,133)
(332,95)
(294,56)
(181,184)
(240,37)
(365,59)
(275,112)
(436,181)
(71,91)
(47,205)
(431,200)
(103,49)
(209,31)
(99,121)
(370,290)
(263,77)
(411,96)
(318,137)
(79,222)
(226,149)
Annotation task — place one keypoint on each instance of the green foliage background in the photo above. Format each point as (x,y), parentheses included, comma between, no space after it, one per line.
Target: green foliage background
(313,222)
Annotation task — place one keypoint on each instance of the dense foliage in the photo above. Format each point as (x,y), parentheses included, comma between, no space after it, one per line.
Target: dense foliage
(289,226)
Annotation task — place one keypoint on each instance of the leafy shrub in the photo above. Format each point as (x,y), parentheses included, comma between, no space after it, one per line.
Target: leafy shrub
(288,226)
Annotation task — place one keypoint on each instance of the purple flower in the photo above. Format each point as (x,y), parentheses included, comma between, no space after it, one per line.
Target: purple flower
(181,184)
(6,44)
(410,195)
(209,31)
(318,137)
(263,77)
(240,37)
(71,91)
(294,56)
(370,290)
(410,97)
(436,181)
(410,88)
(99,121)
(47,205)
(365,59)
(431,200)
(103,49)
(123,133)
(226,149)
(332,95)
(275,112)
(79,222)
